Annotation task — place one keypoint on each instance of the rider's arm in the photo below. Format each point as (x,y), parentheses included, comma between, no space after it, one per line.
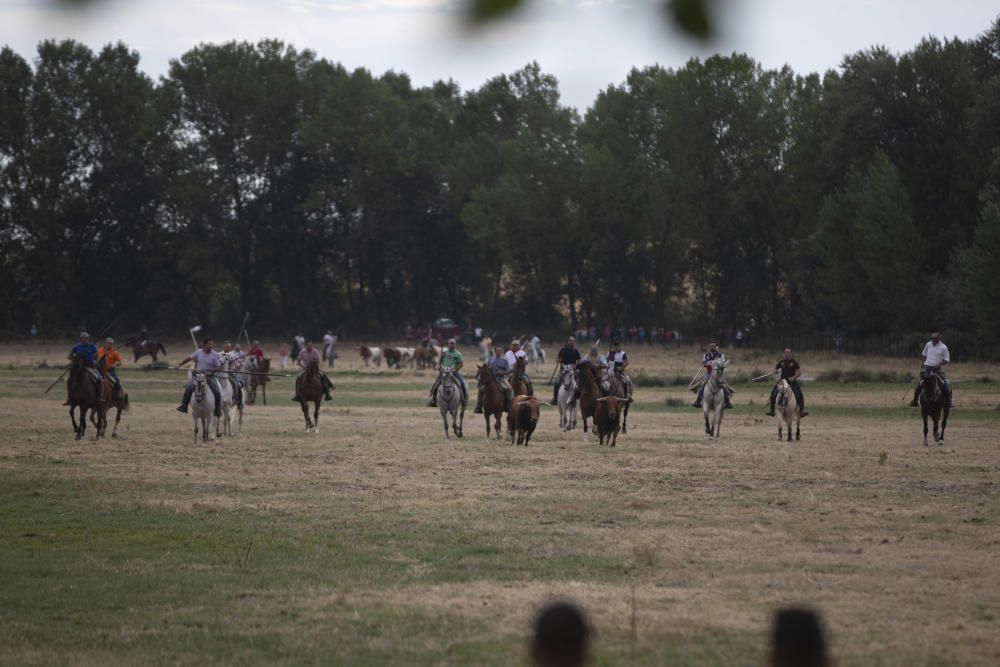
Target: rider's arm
(184,361)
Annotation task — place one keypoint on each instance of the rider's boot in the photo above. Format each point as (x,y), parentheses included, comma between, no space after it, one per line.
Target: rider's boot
(697,400)
(555,396)
(916,392)
(728,404)
(479,403)
(327,396)
(183,407)
(947,388)
(774,397)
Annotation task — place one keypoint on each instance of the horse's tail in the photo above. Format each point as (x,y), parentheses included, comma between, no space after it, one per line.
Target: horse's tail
(162,349)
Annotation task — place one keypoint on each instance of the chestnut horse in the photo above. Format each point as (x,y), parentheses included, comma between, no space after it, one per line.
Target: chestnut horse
(309,387)
(494,401)
(145,348)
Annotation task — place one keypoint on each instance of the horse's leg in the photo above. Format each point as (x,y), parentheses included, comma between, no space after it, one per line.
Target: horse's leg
(305,413)
(461,420)
(923,414)
(708,425)
(444,418)
(624,420)
(780,434)
(798,420)
(944,422)
(789,424)
(195,420)
(316,415)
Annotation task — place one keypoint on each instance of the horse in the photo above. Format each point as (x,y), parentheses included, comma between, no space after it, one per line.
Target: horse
(99,416)
(933,403)
(493,399)
(202,406)
(224,424)
(534,352)
(517,381)
(449,400)
(309,387)
(81,392)
(590,391)
(787,410)
(714,398)
(260,379)
(142,348)
(567,407)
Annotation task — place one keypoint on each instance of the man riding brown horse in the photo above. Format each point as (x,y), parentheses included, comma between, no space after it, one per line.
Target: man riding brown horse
(308,355)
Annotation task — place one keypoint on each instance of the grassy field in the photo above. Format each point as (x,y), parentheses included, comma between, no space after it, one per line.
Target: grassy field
(377,541)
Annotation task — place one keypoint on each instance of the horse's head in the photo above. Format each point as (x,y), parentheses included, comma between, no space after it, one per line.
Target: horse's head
(568,376)
(931,384)
(312,368)
(718,367)
(199,385)
(784,393)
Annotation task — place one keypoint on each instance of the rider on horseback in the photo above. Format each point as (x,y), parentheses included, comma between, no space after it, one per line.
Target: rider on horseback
(599,363)
(450,358)
(936,356)
(501,369)
(208,361)
(568,355)
(88,351)
(790,372)
(231,360)
(619,362)
(713,353)
(307,355)
(512,355)
(112,360)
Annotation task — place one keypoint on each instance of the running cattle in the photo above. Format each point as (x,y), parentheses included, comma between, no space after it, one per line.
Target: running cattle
(523,419)
(393,357)
(607,418)
(371,356)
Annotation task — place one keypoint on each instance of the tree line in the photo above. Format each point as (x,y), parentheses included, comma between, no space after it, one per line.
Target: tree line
(256,177)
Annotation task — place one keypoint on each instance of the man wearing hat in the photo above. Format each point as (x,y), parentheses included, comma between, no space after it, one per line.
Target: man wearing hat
(498,364)
(512,355)
(713,353)
(112,360)
(568,355)
(207,360)
(450,358)
(88,351)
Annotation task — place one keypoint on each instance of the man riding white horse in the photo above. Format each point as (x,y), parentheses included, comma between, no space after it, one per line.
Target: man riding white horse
(501,370)
(232,360)
(306,356)
(450,358)
(790,371)
(619,362)
(512,355)
(936,357)
(713,353)
(568,356)
(209,362)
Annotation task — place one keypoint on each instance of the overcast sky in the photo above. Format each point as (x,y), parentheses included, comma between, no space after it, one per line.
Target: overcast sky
(587,44)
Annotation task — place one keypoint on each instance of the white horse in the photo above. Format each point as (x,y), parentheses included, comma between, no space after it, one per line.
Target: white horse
(224,424)
(534,352)
(714,398)
(449,400)
(202,406)
(567,406)
(787,410)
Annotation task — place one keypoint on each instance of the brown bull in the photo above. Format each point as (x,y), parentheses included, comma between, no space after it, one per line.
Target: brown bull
(607,418)
(522,419)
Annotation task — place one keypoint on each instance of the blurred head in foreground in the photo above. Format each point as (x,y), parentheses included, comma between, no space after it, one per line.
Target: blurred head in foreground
(561,637)
(797,639)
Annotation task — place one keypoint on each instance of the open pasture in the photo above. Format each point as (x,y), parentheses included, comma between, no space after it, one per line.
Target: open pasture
(376,541)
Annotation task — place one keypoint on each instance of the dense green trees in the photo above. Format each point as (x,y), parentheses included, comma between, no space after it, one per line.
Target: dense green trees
(256,177)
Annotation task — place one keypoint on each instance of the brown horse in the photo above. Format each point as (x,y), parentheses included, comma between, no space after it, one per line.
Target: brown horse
(81,392)
(309,387)
(99,417)
(145,348)
(517,381)
(590,391)
(494,402)
(264,366)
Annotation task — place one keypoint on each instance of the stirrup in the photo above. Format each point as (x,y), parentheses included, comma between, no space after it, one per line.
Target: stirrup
(182,408)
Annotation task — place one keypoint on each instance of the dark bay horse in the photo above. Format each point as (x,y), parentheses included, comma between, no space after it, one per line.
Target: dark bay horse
(309,387)
(493,399)
(145,348)
(259,381)
(517,381)
(933,403)
(81,392)
(590,391)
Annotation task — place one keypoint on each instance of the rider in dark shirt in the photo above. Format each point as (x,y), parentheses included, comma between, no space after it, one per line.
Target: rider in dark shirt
(568,355)
(790,372)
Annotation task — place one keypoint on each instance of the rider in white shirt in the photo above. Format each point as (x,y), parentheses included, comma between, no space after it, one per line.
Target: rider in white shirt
(512,355)
(936,356)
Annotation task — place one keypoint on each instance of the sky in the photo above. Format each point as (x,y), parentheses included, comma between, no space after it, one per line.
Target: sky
(587,44)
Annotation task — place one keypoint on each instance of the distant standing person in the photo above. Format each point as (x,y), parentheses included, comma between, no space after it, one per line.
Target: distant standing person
(34,333)
(561,637)
(797,640)
(283,355)
(936,357)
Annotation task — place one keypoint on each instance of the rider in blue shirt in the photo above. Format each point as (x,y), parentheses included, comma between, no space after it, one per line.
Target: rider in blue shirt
(86,349)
